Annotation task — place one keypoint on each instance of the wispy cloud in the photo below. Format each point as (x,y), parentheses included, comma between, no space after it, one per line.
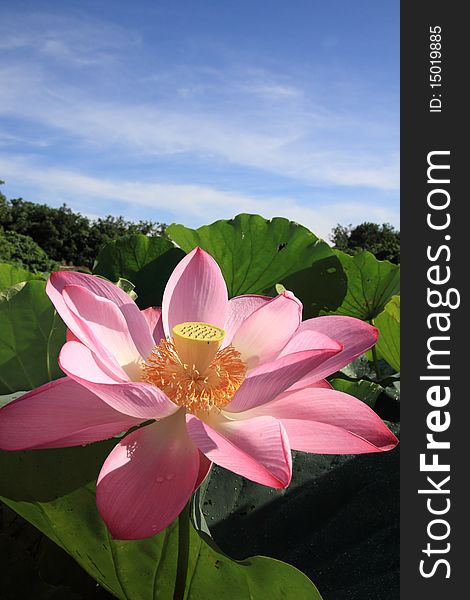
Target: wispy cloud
(7,139)
(74,39)
(190,204)
(186,138)
(295,145)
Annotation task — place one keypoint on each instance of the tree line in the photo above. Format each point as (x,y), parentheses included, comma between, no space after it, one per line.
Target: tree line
(39,237)
(382,240)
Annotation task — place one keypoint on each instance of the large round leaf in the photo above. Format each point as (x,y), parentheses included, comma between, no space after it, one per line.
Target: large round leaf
(371,284)
(10,275)
(338,521)
(54,490)
(255,254)
(31,336)
(145,261)
(388,324)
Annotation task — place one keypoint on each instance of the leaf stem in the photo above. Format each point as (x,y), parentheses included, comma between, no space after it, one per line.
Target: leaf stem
(183,553)
(375,357)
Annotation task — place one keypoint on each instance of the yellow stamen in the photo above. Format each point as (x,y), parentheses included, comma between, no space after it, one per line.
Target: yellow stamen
(186,386)
(197,343)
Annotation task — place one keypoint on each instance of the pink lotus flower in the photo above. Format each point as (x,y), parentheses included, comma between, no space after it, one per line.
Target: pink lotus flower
(237,382)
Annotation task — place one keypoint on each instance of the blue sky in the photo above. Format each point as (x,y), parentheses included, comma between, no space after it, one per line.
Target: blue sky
(195,110)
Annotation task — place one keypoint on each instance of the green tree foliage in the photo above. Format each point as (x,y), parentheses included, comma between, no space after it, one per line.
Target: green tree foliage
(4,209)
(64,235)
(22,250)
(60,232)
(382,240)
(110,228)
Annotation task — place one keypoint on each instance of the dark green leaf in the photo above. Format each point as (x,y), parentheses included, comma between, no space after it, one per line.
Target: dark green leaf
(337,521)
(145,261)
(20,578)
(255,254)
(359,368)
(367,391)
(55,492)
(388,324)
(388,403)
(392,391)
(32,335)
(363,368)
(10,275)
(371,284)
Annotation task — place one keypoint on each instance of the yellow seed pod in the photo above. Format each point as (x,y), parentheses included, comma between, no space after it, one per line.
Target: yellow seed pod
(197,343)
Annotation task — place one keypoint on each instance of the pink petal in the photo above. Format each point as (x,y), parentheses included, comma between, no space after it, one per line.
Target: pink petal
(196,291)
(70,337)
(107,362)
(257,449)
(136,322)
(147,479)
(328,422)
(204,467)
(58,414)
(323,383)
(355,336)
(266,331)
(101,287)
(135,398)
(101,324)
(239,309)
(80,361)
(153,316)
(305,339)
(270,380)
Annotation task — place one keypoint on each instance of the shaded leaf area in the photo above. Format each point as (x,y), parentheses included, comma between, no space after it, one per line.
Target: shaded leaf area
(56,494)
(387,405)
(367,391)
(362,367)
(359,379)
(145,261)
(34,568)
(371,283)
(32,335)
(338,522)
(11,275)
(37,567)
(255,254)
(388,324)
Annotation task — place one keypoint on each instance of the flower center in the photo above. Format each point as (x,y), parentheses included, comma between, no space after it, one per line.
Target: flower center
(197,343)
(191,369)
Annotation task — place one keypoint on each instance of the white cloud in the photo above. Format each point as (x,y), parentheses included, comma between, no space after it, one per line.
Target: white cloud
(192,205)
(293,145)
(232,119)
